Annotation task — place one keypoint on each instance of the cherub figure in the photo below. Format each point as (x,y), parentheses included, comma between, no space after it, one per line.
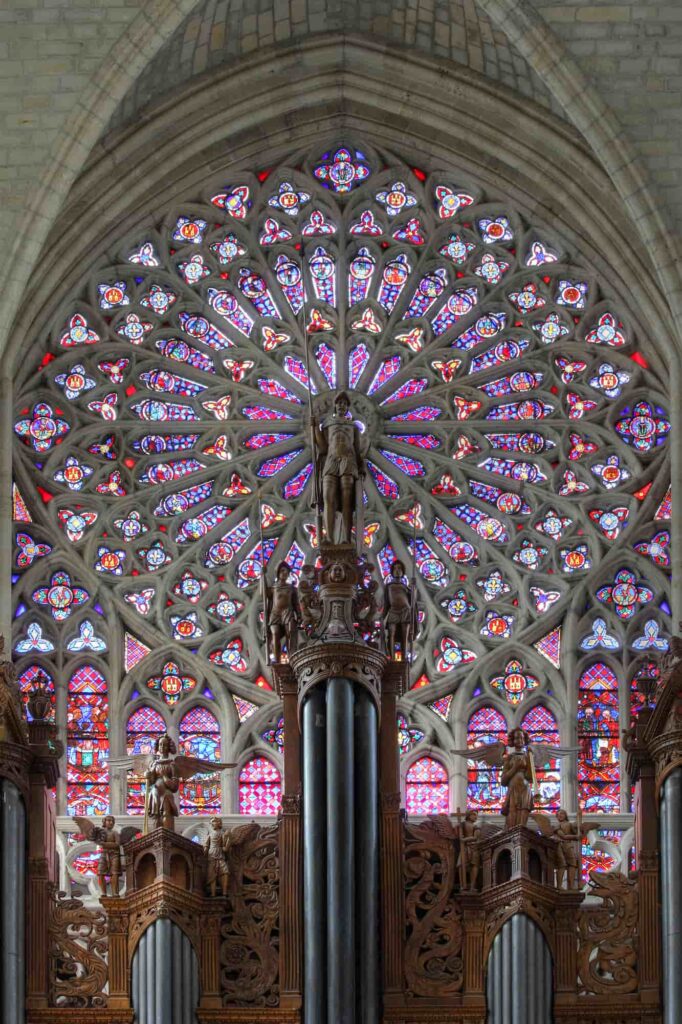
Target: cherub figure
(343,465)
(519,759)
(283,612)
(567,838)
(398,613)
(109,843)
(214,848)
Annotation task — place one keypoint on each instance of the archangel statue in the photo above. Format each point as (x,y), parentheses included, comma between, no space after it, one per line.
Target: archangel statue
(164,770)
(109,842)
(219,847)
(340,449)
(519,759)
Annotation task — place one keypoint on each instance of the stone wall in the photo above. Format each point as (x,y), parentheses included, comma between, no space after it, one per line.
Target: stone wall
(72,69)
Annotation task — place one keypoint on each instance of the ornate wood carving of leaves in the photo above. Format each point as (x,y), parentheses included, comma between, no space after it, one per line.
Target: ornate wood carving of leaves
(607,954)
(433,950)
(78,952)
(249,951)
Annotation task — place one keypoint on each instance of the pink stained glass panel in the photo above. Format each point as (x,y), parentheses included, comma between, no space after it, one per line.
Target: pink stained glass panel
(260,788)
(427,789)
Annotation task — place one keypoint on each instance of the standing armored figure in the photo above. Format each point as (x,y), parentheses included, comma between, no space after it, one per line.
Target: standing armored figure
(567,845)
(398,613)
(469,834)
(338,440)
(283,612)
(214,848)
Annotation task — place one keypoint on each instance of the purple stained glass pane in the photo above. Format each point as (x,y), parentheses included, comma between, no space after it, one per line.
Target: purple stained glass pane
(273,466)
(387,487)
(357,361)
(386,371)
(296,486)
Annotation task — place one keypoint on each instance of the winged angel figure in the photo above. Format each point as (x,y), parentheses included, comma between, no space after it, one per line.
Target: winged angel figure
(518,759)
(164,770)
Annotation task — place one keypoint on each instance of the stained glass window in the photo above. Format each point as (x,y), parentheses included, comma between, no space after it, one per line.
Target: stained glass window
(496,381)
(426,787)
(200,737)
(599,740)
(145,726)
(484,792)
(87,752)
(260,787)
(541,726)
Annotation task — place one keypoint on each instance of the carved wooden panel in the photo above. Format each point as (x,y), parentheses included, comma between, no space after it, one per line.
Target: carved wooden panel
(607,954)
(78,951)
(433,950)
(249,950)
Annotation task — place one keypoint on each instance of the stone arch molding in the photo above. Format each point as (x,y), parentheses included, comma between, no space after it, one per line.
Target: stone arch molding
(155,24)
(318,90)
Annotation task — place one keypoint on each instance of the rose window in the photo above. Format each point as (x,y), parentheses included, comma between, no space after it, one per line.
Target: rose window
(515,443)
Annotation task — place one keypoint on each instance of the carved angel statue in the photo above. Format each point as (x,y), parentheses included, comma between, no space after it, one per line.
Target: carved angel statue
(109,842)
(164,770)
(339,442)
(518,759)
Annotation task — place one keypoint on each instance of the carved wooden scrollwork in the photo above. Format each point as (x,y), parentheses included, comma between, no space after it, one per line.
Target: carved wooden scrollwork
(607,953)
(78,954)
(249,951)
(433,950)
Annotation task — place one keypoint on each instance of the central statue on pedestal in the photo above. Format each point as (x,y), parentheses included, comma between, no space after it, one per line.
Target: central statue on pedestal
(342,464)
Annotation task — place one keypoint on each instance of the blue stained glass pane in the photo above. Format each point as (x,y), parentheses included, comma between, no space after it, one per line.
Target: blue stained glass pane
(503,352)
(261,412)
(155,444)
(296,368)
